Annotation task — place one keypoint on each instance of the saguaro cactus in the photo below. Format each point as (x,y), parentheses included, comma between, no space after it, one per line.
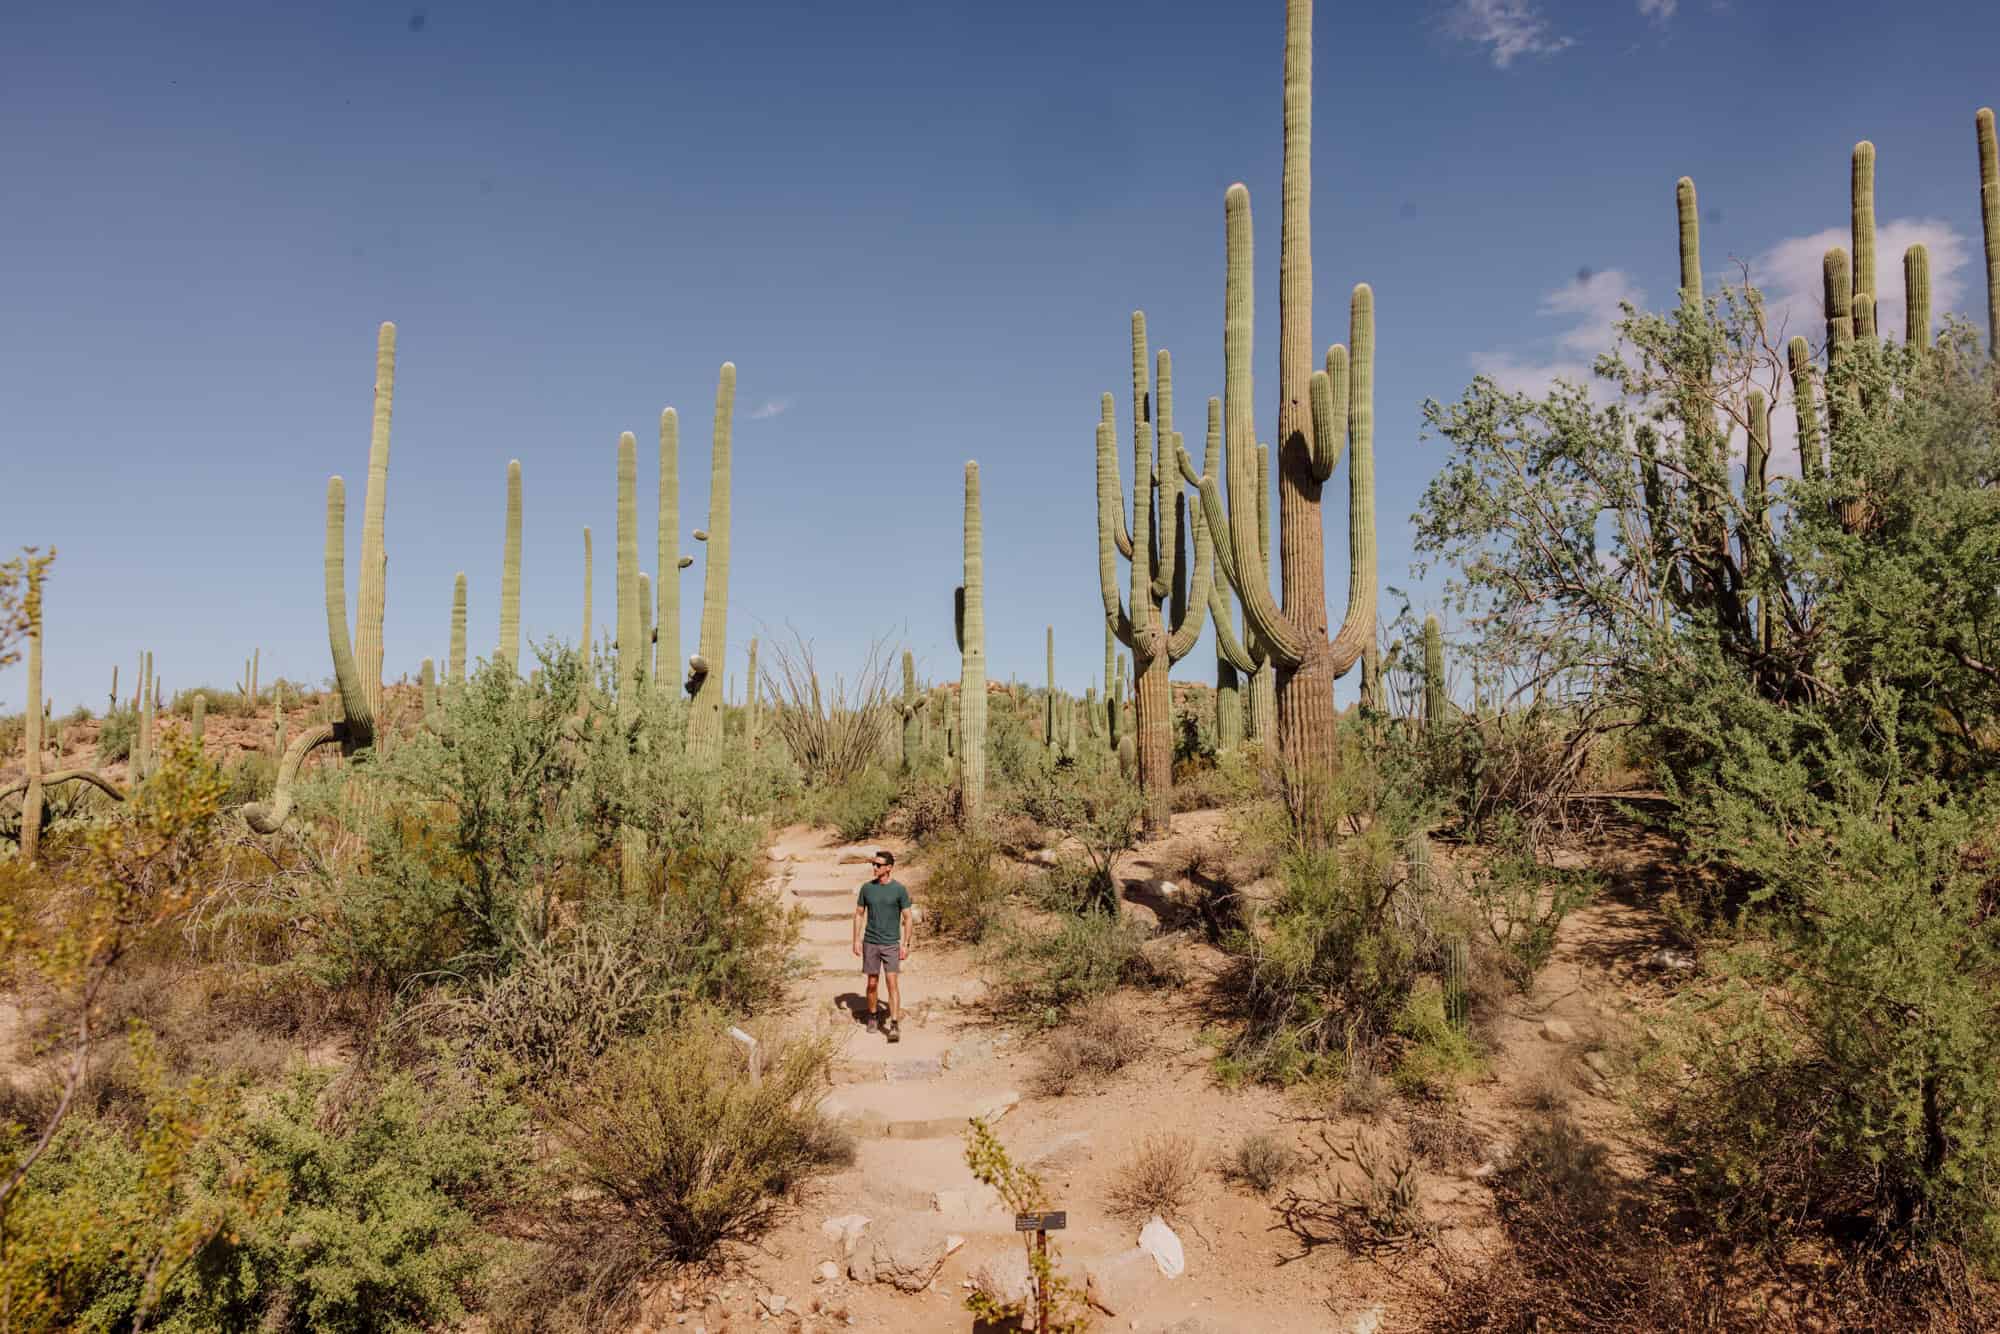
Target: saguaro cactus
(1989,222)
(704,684)
(970,625)
(32,787)
(912,709)
(1434,694)
(510,573)
(458,629)
(197,719)
(1805,404)
(1861,186)
(1154,546)
(357,667)
(631,647)
(753,715)
(667,623)
(427,682)
(1917,297)
(589,633)
(1049,697)
(1318,415)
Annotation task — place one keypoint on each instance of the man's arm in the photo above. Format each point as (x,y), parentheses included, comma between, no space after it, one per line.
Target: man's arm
(860,916)
(908,931)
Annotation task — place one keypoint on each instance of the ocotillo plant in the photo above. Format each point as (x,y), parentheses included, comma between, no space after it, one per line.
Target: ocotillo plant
(969,623)
(31,788)
(589,633)
(1153,545)
(510,573)
(1989,222)
(457,676)
(1319,414)
(705,685)
(1434,693)
(357,667)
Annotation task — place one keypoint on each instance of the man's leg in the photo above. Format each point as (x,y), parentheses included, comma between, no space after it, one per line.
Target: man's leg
(872,978)
(895,997)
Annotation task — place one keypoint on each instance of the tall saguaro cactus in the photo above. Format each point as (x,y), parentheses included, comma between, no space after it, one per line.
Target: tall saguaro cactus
(1861,188)
(1320,414)
(667,621)
(1989,222)
(970,624)
(753,714)
(1434,692)
(631,650)
(457,676)
(1153,544)
(589,633)
(32,787)
(360,686)
(1917,297)
(705,674)
(510,573)
(1049,700)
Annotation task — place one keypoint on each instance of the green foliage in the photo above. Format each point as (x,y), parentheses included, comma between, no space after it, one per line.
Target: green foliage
(671,1154)
(966,886)
(1039,972)
(1522,900)
(1098,810)
(1067,1310)
(1437,1054)
(856,806)
(115,735)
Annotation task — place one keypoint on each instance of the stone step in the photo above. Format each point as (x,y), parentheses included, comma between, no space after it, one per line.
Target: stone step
(906,1111)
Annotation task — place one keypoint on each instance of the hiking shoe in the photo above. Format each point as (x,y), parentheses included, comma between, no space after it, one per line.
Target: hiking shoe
(874,1026)
(894,1030)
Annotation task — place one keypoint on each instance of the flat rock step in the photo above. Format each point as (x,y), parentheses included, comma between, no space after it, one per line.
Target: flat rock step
(873,1112)
(847,894)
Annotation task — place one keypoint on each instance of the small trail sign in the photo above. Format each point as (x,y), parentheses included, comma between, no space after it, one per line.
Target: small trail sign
(1042,1222)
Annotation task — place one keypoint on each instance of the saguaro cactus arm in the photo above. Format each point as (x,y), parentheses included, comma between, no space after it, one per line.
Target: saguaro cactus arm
(1110,512)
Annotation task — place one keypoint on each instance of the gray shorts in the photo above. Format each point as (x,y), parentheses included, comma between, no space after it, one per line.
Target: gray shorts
(880,958)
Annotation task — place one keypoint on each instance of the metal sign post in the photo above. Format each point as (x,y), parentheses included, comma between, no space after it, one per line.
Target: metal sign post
(1041,1224)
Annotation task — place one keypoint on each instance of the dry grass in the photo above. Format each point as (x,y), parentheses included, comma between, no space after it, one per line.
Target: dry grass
(1161,1178)
(1102,1038)
(1260,1163)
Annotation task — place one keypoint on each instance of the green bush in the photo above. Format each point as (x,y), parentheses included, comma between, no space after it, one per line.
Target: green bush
(671,1155)
(115,735)
(1040,971)
(1522,900)
(1100,811)
(966,886)
(857,806)
(1437,1054)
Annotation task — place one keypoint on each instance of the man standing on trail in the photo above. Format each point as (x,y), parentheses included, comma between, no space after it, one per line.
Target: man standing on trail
(883,907)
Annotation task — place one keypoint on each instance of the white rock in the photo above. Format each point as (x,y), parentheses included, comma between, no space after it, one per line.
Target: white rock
(828,1272)
(845,1230)
(1368,1321)
(1159,1241)
(1558,1030)
(1007,1280)
(772,1302)
(997,1106)
(974,1201)
(952,1243)
(1168,889)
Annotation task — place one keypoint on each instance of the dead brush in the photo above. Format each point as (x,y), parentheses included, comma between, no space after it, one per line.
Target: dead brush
(1383,1212)
(1261,1163)
(1101,1039)
(1160,1179)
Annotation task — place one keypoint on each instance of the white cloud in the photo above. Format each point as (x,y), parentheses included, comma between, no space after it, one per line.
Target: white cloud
(1512,28)
(1658,10)
(1590,304)
(770,407)
(1791,277)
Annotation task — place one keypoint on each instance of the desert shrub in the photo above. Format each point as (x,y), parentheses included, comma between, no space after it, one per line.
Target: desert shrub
(1058,1302)
(836,733)
(1161,1178)
(1436,1054)
(250,778)
(1522,900)
(927,804)
(1101,1038)
(1261,1162)
(858,805)
(1383,1211)
(1040,971)
(966,886)
(1841,1060)
(220,703)
(1325,969)
(672,1156)
(1099,811)
(115,735)
(1442,1138)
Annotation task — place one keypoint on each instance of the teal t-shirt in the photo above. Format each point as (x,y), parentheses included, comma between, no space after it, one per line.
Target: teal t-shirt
(885,904)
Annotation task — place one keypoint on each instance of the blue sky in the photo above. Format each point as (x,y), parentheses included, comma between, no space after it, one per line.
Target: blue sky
(917,228)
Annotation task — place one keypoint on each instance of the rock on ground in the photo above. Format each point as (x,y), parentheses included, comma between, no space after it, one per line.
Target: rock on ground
(905,1253)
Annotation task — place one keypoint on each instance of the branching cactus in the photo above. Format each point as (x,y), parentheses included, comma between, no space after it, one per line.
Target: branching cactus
(969,624)
(510,573)
(31,788)
(705,685)
(457,676)
(1154,545)
(1320,412)
(357,665)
